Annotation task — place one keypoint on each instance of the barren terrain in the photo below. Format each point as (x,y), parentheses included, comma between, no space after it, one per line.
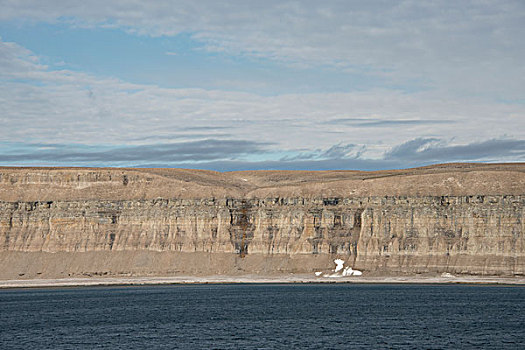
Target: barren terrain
(100,223)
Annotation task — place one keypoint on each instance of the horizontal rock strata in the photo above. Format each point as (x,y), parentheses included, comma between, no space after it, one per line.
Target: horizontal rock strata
(459,218)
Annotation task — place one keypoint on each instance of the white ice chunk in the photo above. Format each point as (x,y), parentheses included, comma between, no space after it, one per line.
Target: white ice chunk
(348,271)
(339,264)
(318,273)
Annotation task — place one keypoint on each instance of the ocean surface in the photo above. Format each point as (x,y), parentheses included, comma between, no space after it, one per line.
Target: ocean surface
(246,316)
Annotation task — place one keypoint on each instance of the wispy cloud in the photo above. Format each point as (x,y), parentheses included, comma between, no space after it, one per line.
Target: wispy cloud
(175,137)
(466,47)
(445,75)
(230,155)
(64,106)
(339,151)
(434,150)
(375,122)
(169,153)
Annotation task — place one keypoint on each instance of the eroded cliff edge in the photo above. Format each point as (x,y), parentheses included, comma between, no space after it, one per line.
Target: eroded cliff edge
(74,222)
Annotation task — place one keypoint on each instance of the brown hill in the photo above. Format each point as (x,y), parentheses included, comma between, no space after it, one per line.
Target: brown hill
(41,184)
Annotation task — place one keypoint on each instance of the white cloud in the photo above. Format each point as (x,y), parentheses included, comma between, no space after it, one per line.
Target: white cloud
(467,48)
(38,104)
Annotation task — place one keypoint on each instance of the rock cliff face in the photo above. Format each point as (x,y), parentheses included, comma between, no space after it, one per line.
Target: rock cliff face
(458,218)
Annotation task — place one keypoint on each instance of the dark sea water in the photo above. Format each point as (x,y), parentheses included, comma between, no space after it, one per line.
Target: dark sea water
(311,316)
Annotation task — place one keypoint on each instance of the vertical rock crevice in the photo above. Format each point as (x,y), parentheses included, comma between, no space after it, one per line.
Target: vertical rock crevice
(241,226)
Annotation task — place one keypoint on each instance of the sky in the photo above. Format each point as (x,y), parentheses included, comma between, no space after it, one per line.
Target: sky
(248,85)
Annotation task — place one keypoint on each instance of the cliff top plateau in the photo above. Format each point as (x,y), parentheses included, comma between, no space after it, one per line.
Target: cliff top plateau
(454,179)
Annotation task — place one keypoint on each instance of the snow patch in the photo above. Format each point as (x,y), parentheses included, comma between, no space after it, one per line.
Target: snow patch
(348,271)
(340,270)
(339,264)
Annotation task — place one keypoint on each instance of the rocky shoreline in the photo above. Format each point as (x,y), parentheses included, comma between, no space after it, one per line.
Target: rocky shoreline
(292,278)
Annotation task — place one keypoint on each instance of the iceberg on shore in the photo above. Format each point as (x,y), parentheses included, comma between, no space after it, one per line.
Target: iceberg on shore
(340,270)
(339,265)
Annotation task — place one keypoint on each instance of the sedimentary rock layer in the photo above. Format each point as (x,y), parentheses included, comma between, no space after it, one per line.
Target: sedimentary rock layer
(458,218)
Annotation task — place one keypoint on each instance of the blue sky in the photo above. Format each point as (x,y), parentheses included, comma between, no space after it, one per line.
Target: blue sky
(237,85)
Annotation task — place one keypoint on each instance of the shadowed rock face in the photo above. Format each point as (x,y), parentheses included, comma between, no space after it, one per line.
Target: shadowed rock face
(458,218)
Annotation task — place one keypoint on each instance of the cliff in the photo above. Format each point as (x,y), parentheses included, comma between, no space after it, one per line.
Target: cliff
(73,222)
